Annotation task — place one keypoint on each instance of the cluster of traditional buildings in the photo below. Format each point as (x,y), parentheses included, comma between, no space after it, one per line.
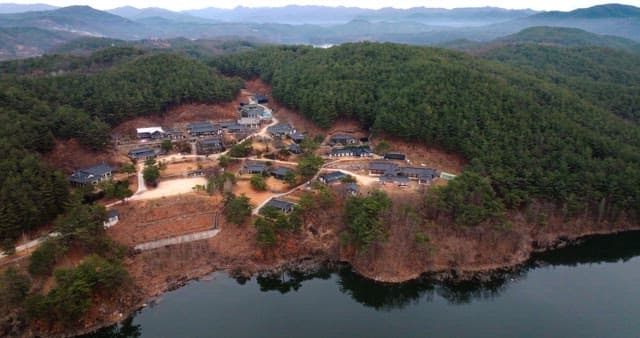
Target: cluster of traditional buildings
(207,135)
(392,173)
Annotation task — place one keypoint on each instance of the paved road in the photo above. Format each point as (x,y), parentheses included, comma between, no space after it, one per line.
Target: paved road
(362,179)
(177,240)
(141,186)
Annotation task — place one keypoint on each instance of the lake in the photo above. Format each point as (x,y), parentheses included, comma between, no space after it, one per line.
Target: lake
(588,290)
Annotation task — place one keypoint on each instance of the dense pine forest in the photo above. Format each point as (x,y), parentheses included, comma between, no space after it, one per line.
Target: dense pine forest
(527,138)
(607,78)
(81,97)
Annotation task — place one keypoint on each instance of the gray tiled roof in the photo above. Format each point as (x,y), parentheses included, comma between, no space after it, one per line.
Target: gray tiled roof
(141,152)
(211,142)
(382,166)
(395,179)
(281,171)
(90,174)
(342,137)
(332,177)
(255,167)
(201,127)
(280,204)
(280,129)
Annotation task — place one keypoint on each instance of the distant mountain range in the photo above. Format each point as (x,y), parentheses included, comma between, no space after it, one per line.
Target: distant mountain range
(321,15)
(547,36)
(24,30)
(613,19)
(20,8)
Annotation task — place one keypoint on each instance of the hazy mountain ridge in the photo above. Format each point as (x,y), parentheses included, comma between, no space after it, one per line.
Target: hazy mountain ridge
(9,8)
(81,20)
(612,19)
(133,13)
(562,36)
(23,42)
(314,24)
(340,15)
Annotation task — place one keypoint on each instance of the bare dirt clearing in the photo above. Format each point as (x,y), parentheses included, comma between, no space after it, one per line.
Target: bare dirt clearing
(185,166)
(256,197)
(171,188)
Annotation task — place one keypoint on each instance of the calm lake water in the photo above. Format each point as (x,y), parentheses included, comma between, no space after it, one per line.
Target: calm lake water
(590,290)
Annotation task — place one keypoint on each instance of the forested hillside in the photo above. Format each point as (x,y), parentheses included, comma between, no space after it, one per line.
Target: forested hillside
(607,78)
(532,139)
(62,97)
(568,37)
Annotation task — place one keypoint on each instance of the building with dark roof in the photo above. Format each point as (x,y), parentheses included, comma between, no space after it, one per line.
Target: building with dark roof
(174,134)
(350,152)
(331,177)
(202,129)
(281,172)
(295,149)
(254,168)
(281,130)
(422,175)
(259,98)
(298,137)
(352,189)
(343,139)
(237,128)
(395,156)
(142,154)
(283,206)
(92,175)
(401,181)
(382,168)
(209,146)
(112,218)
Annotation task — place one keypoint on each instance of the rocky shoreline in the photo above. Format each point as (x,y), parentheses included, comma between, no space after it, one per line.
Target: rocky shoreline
(310,264)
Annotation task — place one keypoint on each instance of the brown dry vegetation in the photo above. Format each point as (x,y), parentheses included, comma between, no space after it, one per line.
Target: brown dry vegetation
(146,221)
(432,157)
(465,250)
(70,155)
(184,114)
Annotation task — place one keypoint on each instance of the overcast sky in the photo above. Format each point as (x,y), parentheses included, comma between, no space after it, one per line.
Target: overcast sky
(195,4)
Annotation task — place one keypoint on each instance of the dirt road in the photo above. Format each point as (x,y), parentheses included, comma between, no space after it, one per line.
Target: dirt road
(182,186)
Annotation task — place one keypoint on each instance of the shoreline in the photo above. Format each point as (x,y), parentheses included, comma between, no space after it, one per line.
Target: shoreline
(310,264)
